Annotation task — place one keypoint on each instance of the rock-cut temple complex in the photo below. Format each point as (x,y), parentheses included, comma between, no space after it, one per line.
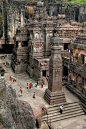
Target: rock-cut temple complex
(48,41)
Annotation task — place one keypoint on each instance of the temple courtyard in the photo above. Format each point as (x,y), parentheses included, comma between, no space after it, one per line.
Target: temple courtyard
(22,80)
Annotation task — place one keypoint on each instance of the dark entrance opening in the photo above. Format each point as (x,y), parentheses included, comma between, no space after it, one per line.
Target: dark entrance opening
(83,59)
(7,48)
(37,124)
(65,71)
(24,44)
(76,14)
(44,73)
(65,46)
(17,44)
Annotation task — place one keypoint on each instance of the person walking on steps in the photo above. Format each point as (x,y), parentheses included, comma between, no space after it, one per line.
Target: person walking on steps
(61,109)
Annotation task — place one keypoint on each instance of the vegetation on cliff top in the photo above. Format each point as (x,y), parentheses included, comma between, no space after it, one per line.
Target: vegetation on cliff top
(73,1)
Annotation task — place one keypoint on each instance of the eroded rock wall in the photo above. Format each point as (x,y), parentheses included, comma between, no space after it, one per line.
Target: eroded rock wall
(14,114)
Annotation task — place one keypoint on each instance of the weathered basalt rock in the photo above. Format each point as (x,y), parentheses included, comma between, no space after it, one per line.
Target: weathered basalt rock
(14,114)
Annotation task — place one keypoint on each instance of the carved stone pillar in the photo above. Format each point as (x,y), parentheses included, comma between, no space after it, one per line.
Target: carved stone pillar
(54,93)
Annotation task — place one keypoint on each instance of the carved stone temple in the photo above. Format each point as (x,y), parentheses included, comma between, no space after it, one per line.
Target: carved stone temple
(54,93)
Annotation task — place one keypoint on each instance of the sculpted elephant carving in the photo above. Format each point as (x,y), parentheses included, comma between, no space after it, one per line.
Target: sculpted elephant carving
(38,112)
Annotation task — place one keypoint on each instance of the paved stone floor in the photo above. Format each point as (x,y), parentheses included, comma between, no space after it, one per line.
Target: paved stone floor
(22,79)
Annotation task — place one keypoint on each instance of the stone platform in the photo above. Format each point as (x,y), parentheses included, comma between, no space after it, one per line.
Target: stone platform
(54,97)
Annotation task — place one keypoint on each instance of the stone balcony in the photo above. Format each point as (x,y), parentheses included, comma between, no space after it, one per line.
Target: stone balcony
(65,58)
(78,68)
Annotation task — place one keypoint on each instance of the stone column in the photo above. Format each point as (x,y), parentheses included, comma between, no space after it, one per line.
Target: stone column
(3,37)
(55,73)
(41,73)
(22,17)
(54,93)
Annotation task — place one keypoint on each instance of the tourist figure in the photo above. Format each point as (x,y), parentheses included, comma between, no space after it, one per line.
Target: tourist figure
(63,78)
(30,85)
(15,79)
(35,84)
(10,78)
(34,95)
(21,91)
(42,83)
(66,78)
(69,51)
(5,63)
(27,85)
(61,109)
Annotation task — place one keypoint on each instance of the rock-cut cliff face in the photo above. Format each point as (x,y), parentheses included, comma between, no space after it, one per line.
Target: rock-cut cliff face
(14,114)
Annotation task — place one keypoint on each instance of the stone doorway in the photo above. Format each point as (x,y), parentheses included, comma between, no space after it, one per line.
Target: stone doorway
(83,59)
(65,46)
(65,71)
(44,73)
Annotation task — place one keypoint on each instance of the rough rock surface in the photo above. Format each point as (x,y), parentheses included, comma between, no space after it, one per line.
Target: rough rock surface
(14,113)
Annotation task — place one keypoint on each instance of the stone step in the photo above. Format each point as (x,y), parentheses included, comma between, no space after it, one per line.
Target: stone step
(59,93)
(65,104)
(55,97)
(69,110)
(55,113)
(68,106)
(78,107)
(64,117)
(60,101)
(53,118)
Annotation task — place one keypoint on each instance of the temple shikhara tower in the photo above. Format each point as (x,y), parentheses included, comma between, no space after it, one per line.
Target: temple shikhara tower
(54,93)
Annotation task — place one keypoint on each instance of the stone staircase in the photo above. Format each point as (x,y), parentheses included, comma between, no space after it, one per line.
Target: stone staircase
(70,110)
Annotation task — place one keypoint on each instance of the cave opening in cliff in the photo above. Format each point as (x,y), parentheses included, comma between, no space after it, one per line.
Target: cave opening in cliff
(7,48)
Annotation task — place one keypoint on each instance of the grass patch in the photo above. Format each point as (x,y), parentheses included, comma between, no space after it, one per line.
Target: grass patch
(72,1)
(75,1)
